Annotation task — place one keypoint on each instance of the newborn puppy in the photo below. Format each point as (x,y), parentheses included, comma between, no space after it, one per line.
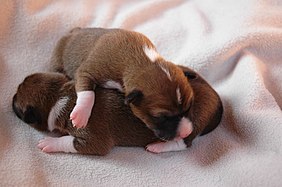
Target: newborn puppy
(154,88)
(45,100)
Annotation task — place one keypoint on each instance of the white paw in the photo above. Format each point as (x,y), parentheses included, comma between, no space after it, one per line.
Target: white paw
(53,145)
(160,147)
(82,110)
(48,145)
(155,147)
(79,116)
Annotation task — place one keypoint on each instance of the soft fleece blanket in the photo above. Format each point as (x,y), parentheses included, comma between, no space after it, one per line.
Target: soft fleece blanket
(235,45)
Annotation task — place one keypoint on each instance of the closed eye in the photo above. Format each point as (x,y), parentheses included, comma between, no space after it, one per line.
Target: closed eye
(164,117)
(159,119)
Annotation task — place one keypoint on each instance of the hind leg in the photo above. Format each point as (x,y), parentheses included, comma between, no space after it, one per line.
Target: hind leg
(57,144)
(70,144)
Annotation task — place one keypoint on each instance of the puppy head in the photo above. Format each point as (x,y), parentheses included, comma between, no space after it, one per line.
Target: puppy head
(35,96)
(163,100)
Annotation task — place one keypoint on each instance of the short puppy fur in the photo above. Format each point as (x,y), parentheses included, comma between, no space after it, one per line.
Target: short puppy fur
(45,100)
(154,88)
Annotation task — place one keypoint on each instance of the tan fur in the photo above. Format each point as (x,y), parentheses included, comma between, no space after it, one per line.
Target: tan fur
(93,56)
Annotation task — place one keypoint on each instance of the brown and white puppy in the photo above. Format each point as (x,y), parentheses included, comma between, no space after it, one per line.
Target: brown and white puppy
(45,100)
(156,90)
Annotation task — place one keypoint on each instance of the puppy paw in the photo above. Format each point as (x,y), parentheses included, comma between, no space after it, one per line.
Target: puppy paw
(155,147)
(79,116)
(53,145)
(82,109)
(48,145)
(160,147)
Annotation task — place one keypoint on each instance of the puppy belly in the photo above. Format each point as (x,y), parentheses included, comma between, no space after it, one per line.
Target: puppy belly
(161,147)
(61,144)
(82,109)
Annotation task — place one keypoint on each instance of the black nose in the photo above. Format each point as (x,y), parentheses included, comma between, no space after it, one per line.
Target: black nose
(166,126)
(167,130)
(165,135)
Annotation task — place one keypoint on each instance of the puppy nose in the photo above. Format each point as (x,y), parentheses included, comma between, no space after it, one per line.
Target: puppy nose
(163,135)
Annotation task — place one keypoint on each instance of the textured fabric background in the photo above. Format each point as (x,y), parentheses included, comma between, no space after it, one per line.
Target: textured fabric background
(235,45)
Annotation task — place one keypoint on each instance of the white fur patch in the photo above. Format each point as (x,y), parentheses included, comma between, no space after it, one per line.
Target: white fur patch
(61,144)
(55,112)
(113,85)
(178,95)
(185,128)
(166,71)
(151,53)
(161,147)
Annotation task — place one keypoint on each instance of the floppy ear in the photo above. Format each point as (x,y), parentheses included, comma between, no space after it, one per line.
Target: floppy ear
(134,97)
(32,115)
(190,75)
(17,111)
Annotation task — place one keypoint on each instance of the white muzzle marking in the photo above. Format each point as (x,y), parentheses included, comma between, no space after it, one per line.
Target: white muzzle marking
(185,128)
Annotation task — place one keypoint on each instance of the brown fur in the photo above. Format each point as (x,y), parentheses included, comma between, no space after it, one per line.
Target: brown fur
(206,109)
(93,56)
(119,128)
(38,92)
(112,123)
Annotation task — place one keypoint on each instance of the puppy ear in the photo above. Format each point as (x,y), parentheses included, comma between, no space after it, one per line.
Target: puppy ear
(134,97)
(32,115)
(17,111)
(190,75)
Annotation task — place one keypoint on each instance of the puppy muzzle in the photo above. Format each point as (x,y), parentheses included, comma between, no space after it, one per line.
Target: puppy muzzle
(174,129)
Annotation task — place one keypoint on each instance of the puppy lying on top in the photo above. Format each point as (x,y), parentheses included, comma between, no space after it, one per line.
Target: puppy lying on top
(45,101)
(154,88)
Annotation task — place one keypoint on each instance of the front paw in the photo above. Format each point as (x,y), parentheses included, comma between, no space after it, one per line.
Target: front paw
(160,147)
(79,116)
(82,110)
(155,147)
